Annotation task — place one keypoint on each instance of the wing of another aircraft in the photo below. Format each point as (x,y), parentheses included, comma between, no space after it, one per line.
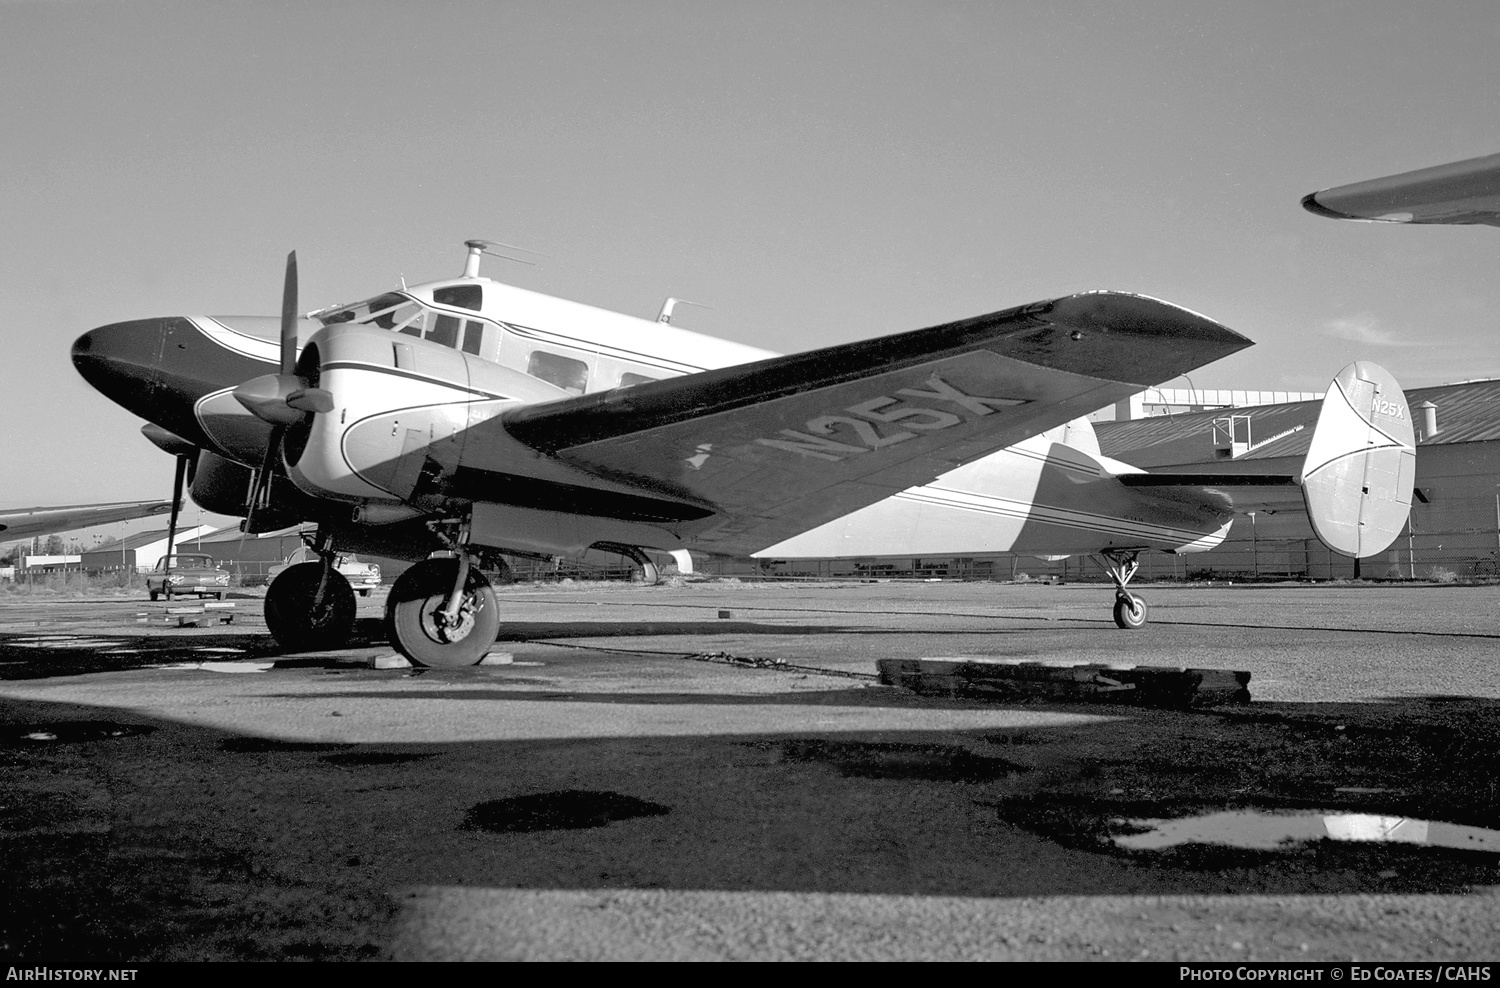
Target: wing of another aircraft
(19,523)
(1461,192)
(776,447)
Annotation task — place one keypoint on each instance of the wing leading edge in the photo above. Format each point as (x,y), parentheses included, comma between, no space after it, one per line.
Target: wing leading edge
(25,522)
(778,446)
(1461,192)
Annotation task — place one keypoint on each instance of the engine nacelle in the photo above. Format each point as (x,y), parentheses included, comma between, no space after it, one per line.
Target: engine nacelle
(219,485)
(401,410)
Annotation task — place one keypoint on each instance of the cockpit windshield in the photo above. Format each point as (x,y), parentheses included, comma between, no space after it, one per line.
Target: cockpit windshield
(402,313)
(362,311)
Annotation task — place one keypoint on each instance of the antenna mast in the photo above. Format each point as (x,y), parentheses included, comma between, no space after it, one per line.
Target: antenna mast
(665,315)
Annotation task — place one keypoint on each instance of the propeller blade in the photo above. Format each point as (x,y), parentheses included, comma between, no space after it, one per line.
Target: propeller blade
(289,316)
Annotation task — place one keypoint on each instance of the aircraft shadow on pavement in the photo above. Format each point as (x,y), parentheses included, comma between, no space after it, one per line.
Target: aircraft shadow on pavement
(126,836)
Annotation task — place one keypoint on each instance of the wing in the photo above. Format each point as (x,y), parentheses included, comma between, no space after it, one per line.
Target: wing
(776,447)
(1459,192)
(24,522)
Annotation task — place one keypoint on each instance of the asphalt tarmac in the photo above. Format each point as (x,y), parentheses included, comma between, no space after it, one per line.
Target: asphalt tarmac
(711,771)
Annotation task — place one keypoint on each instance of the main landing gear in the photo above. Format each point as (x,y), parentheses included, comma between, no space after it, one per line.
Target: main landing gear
(1121,564)
(443,613)
(310,605)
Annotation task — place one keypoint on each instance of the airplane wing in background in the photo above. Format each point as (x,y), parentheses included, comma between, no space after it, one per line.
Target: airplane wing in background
(20,523)
(773,448)
(1461,192)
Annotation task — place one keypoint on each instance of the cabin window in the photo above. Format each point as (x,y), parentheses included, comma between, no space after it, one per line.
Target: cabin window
(462,296)
(444,330)
(473,336)
(628,380)
(565,372)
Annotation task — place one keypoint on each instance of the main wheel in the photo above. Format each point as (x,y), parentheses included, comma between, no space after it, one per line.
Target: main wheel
(1130,611)
(290,615)
(418,627)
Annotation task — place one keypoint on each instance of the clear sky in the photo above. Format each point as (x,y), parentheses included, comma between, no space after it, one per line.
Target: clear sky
(817,172)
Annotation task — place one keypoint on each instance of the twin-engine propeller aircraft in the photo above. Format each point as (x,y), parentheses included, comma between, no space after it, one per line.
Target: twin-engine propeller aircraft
(1056,495)
(450,422)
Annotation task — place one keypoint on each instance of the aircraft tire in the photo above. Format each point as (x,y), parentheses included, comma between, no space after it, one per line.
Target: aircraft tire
(1130,611)
(289,610)
(416,598)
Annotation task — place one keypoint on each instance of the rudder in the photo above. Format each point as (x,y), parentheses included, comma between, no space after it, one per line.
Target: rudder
(1358,475)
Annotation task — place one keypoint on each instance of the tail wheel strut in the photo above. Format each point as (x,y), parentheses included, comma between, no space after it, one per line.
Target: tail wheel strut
(1121,564)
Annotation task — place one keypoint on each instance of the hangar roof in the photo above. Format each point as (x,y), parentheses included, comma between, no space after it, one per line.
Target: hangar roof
(1466,413)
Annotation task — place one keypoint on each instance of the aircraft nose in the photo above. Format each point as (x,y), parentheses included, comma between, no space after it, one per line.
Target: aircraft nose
(120,359)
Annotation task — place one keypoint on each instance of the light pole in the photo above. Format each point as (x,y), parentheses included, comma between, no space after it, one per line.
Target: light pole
(1254,548)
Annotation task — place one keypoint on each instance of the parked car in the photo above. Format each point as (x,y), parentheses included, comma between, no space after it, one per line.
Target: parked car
(184,573)
(362,576)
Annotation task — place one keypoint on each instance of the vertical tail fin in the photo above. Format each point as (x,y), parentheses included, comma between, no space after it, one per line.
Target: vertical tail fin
(1358,475)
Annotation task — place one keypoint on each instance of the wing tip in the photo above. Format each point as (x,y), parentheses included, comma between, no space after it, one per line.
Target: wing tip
(1312,205)
(1134,310)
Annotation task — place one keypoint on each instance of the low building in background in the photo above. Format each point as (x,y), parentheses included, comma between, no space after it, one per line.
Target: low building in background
(140,552)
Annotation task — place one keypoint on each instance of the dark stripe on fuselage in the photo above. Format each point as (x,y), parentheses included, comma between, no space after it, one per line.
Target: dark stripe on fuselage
(1205,480)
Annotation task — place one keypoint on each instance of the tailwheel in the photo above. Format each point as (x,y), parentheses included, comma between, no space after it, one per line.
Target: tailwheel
(300,617)
(1130,611)
(427,630)
(1121,564)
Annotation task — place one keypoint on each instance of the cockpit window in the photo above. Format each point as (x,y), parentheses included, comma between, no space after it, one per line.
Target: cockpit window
(462,296)
(473,337)
(362,311)
(399,313)
(445,331)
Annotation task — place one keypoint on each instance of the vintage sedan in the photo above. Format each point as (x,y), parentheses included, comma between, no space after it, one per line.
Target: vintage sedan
(362,576)
(187,573)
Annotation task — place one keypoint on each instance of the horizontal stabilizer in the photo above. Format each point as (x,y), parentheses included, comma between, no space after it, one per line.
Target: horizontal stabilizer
(1358,476)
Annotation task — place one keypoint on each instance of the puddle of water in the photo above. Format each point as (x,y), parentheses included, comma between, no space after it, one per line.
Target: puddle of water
(1262,830)
(59,641)
(68,732)
(570,809)
(231,667)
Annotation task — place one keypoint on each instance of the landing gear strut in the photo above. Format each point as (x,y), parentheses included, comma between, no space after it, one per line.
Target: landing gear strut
(311,605)
(1121,564)
(443,613)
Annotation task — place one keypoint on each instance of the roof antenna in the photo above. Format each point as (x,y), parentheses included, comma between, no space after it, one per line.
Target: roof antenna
(477,247)
(665,315)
